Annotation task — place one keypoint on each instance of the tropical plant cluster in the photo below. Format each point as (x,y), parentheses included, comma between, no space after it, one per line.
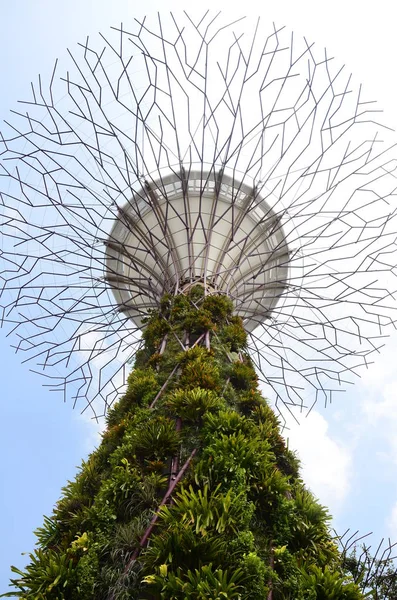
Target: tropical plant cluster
(192,492)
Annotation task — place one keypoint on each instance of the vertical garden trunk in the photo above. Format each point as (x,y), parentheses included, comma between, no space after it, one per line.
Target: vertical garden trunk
(192,492)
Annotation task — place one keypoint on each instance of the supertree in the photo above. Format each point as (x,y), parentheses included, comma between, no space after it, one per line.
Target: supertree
(179,170)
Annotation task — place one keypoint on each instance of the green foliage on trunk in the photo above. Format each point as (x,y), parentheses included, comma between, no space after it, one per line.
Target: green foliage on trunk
(239,523)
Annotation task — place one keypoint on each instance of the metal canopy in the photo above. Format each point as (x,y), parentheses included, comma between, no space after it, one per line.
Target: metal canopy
(206,228)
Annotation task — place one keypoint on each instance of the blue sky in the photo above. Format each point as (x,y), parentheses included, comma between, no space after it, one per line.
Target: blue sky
(349,451)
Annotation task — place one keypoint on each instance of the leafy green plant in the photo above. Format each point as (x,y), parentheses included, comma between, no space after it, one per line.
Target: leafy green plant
(200,584)
(234,336)
(325,584)
(141,390)
(156,327)
(199,370)
(49,534)
(243,376)
(192,405)
(204,476)
(157,440)
(219,307)
(49,576)
(203,510)
(198,321)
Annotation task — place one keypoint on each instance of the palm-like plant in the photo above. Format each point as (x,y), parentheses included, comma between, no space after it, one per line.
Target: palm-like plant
(199,584)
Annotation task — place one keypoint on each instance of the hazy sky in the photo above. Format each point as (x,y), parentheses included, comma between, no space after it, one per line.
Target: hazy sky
(349,451)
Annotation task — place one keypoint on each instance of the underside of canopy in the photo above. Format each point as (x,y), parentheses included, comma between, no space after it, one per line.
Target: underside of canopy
(203,228)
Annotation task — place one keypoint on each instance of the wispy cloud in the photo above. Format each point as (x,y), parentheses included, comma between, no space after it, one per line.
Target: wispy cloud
(379,404)
(391,522)
(326,462)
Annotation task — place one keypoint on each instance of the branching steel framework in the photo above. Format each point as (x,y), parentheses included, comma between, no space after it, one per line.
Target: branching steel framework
(186,152)
(372,567)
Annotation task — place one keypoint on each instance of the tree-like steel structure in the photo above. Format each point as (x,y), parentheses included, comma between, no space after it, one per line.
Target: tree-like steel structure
(372,568)
(208,152)
(171,173)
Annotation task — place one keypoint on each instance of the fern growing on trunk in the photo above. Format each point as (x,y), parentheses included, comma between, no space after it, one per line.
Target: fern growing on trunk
(192,492)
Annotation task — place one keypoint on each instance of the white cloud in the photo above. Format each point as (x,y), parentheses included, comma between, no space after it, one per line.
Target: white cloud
(380,413)
(391,523)
(386,408)
(384,366)
(379,406)
(326,463)
(92,430)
